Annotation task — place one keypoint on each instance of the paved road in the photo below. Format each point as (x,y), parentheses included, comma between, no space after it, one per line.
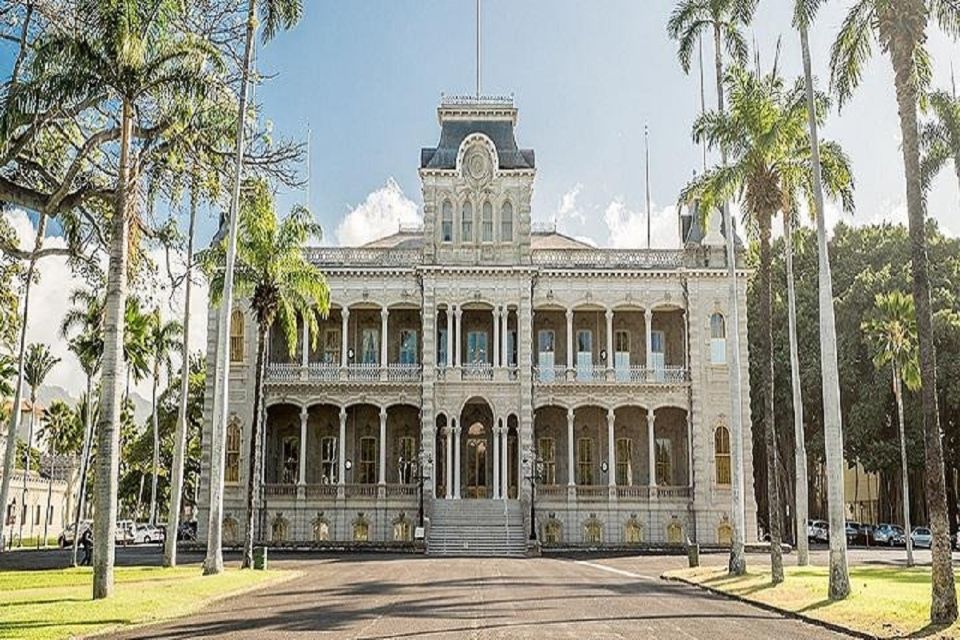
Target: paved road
(378,597)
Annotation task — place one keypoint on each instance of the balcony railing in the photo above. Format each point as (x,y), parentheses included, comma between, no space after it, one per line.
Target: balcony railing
(591,373)
(624,375)
(548,374)
(323,372)
(280,490)
(479,371)
(282,372)
(363,372)
(639,492)
(403,373)
(401,490)
(673,492)
(592,492)
(361,490)
(608,258)
(552,491)
(357,257)
(321,491)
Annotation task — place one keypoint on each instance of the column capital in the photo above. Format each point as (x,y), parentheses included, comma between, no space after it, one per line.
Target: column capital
(651,417)
(343,414)
(648,313)
(611,414)
(457,311)
(609,314)
(345,312)
(384,312)
(570,415)
(445,430)
(383,413)
(456,429)
(569,314)
(304,413)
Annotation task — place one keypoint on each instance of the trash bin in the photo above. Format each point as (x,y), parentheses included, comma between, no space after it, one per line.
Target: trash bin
(693,554)
(260,558)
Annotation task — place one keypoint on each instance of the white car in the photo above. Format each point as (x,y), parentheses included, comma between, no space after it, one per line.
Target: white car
(922,537)
(147,534)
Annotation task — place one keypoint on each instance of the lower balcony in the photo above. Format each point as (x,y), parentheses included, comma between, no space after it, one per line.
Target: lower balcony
(316,372)
(600,374)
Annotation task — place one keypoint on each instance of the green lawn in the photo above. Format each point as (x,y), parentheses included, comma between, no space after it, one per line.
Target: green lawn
(888,602)
(46,605)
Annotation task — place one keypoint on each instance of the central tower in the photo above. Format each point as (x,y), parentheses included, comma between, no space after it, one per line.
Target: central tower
(477,185)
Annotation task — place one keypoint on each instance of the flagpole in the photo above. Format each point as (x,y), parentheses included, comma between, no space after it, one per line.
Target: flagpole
(479,39)
(646,144)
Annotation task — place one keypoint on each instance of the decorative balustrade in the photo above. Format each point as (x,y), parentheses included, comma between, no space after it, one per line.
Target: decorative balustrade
(552,491)
(608,258)
(403,373)
(672,492)
(474,372)
(640,492)
(549,374)
(321,491)
(323,372)
(596,374)
(592,492)
(280,490)
(401,490)
(363,372)
(591,373)
(359,257)
(283,372)
(361,490)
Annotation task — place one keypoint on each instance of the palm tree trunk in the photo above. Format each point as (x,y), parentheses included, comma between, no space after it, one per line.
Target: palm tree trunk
(114,370)
(27,460)
(10,455)
(801,505)
(256,454)
(737,563)
(767,372)
(180,438)
(46,513)
(898,393)
(839,586)
(155,466)
(84,465)
(213,564)
(902,53)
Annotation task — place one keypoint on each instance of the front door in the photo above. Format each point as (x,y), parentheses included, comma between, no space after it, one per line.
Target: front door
(476,467)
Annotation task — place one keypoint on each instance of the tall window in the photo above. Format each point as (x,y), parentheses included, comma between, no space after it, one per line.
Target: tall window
(548,453)
(477,347)
(370,346)
(718,339)
(231,474)
(506,222)
(236,336)
(585,461)
(408,347)
(512,348)
(721,446)
(446,224)
(407,454)
(331,346)
(329,466)
(624,462)
(487,222)
(466,223)
(664,462)
(290,451)
(442,348)
(368,460)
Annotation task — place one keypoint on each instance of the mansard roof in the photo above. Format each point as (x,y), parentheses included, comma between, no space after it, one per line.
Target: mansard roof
(492,119)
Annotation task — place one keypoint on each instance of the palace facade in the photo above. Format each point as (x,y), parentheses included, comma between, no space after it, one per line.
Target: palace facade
(493,363)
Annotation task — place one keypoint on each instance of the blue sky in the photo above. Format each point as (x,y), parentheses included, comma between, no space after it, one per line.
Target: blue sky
(367,75)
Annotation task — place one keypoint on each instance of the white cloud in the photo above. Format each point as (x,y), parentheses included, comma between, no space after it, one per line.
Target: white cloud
(568,209)
(627,228)
(50,300)
(381,214)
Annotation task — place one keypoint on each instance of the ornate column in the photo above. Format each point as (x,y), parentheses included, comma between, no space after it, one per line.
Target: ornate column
(495,359)
(458,345)
(342,449)
(609,362)
(302,468)
(569,341)
(652,447)
(504,464)
(344,341)
(305,349)
(384,341)
(456,460)
(571,470)
(448,462)
(449,362)
(648,329)
(382,480)
(611,450)
(504,339)
(496,461)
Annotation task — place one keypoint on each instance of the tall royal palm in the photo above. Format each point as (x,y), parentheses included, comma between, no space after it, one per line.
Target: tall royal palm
(273,273)
(901,27)
(765,133)
(893,331)
(60,432)
(690,21)
(129,50)
(940,136)
(839,581)
(162,339)
(37,364)
(276,14)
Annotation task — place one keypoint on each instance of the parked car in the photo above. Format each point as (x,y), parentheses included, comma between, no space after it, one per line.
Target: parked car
(817,531)
(922,537)
(147,534)
(124,532)
(853,532)
(885,534)
(187,531)
(900,538)
(66,538)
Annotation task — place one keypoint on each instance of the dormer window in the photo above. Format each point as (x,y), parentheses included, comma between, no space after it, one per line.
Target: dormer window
(446,224)
(506,222)
(466,223)
(487,222)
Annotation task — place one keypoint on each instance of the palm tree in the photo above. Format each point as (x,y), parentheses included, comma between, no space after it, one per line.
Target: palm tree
(689,22)
(940,136)
(277,14)
(137,353)
(86,317)
(162,339)
(282,286)
(901,28)
(765,132)
(128,50)
(36,367)
(839,581)
(59,428)
(893,331)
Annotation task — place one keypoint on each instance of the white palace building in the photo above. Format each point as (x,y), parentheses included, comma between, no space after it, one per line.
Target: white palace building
(493,361)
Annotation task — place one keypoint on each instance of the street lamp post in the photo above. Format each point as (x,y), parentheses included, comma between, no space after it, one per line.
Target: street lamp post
(535,466)
(423,462)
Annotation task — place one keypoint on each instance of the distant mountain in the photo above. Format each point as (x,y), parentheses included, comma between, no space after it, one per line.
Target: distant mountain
(50,392)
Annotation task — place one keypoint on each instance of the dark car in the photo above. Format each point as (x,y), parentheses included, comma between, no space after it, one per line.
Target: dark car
(853,532)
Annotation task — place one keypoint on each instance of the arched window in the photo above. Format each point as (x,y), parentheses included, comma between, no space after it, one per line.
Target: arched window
(230,534)
(487,222)
(506,222)
(278,529)
(446,224)
(236,336)
(675,532)
(321,530)
(633,532)
(361,531)
(585,461)
(231,474)
(592,531)
(466,223)
(721,452)
(552,532)
(718,339)
(401,530)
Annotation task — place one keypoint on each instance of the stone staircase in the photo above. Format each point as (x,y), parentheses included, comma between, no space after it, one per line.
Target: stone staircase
(477,528)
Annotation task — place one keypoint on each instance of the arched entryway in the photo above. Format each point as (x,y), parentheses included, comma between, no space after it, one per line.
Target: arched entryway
(476,442)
